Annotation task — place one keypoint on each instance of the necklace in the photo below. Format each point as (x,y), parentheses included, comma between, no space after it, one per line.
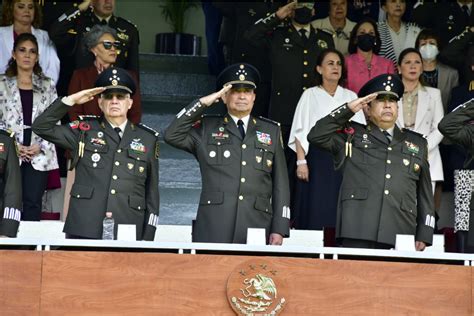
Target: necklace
(329,92)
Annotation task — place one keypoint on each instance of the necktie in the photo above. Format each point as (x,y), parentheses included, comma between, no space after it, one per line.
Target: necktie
(118,130)
(387,134)
(240,125)
(104,22)
(303,35)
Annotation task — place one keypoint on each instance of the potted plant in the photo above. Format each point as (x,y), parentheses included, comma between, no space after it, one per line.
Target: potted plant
(178,42)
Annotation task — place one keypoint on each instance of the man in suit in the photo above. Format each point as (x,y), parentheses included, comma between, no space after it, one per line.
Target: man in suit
(386,186)
(116,161)
(10,185)
(244,177)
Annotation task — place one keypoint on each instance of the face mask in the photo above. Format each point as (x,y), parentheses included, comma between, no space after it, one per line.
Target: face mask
(429,51)
(366,42)
(303,15)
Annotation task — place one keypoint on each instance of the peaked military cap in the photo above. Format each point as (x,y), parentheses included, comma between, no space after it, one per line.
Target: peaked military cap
(240,75)
(387,84)
(116,80)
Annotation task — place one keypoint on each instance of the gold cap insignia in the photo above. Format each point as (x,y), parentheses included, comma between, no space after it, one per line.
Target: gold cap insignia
(114,82)
(388,88)
(242,77)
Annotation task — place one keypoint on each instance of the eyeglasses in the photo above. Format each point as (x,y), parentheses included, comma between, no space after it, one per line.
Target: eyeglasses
(119,96)
(108,44)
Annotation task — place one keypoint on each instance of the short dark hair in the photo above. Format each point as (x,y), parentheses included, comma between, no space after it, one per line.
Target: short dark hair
(427,34)
(12,67)
(353,37)
(319,61)
(7,13)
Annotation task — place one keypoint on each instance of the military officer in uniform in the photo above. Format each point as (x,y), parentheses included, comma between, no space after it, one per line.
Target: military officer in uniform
(458,127)
(244,177)
(68,30)
(293,49)
(116,161)
(386,186)
(10,185)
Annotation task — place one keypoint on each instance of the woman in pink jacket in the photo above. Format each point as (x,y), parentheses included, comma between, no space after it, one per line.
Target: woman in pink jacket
(363,63)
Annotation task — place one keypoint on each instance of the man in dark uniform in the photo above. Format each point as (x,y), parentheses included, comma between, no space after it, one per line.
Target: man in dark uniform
(241,50)
(386,186)
(116,161)
(244,177)
(68,30)
(10,185)
(293,49)
(458,127)
(447,19)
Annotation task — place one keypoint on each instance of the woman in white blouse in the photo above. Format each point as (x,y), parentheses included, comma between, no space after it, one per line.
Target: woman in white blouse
(318,183)
(24,16)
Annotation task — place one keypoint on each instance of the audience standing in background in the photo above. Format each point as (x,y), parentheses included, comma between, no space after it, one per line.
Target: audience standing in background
(337,24)
(69,29)
(395,34)
(26,93)
(318,186)
(24,16)
(102,42)
(364,62)
(435,73)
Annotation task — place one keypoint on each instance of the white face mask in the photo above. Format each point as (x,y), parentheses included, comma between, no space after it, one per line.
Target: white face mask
(429,51)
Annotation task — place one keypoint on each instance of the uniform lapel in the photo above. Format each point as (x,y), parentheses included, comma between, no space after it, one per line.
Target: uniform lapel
(251,128)
(110,131)
(295,36)
(422,107)
(230,126)
(377,133)
(128,134)
(398,136)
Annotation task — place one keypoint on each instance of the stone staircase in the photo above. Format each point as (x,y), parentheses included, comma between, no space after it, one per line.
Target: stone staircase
(168,83)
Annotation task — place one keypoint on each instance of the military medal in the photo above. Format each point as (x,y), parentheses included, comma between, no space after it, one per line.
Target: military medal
(269,163)
(130,166)
(258,159)
(413,148)
(264,138)
(136,145)
(141,169)
(350,132)
(221,129)
(416,167)
(95,157)
(406,162)
(100,134)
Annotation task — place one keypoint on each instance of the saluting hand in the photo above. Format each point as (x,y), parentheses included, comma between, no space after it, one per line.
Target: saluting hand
(361,103)
(214,97)
(286,10)
(84,5)
(83,96)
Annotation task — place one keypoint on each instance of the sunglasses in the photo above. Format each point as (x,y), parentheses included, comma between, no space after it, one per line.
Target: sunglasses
(119,96)
(108,44)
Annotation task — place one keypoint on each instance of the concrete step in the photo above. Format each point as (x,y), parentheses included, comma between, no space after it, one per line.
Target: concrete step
(164,63)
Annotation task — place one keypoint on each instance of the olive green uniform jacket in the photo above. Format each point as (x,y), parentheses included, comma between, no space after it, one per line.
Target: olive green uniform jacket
(116,175)
(244,182)
(386,188)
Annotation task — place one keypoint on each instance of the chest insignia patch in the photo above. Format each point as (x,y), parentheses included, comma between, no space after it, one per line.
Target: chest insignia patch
(136,145)
(406,162)
(98,142)
(322,44)
(220,135)
(413,148)
(264,138)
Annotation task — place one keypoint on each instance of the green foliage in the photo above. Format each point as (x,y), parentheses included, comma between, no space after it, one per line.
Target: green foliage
(174,12)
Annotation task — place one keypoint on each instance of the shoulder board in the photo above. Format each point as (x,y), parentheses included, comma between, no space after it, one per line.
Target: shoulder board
(7,132)
(148,129)
(405,130)
(265,119)
(126,21)
(358,124)
(88,117)
(324,31)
